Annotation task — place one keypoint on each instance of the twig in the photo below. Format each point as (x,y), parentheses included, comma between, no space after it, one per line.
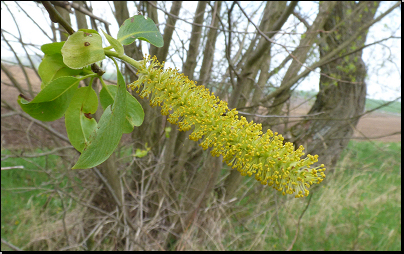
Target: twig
(42,154)
(67,5)
(298,224)
(33,21)
(55,16)
(273,116)
(10,245)
(14,167)
(46,127)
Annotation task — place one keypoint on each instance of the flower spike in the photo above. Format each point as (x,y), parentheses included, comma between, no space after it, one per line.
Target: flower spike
(242,144)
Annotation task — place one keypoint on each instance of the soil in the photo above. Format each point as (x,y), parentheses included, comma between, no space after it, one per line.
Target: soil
(18,132)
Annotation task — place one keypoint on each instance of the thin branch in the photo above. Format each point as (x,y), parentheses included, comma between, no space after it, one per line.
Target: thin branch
(186,21)
(10,245)
(105,181)
(67,5)
(301,19)
(298,224)
(359,49)
(329,55)
(14,167)
(55,16)
(276,26)
(46,127)
(41,154)
(276,116)
(12,79)
(20,64)
(43,31)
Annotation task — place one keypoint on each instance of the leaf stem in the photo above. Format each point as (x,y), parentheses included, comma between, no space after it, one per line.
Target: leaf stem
(125,58)
(92,75)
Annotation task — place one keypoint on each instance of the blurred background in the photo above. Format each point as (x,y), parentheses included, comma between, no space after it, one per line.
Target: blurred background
(326,75)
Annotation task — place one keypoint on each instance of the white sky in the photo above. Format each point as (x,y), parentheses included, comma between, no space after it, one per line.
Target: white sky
(383,61)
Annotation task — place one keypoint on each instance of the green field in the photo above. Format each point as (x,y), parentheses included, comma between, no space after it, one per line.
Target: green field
(393,108)
(358,207)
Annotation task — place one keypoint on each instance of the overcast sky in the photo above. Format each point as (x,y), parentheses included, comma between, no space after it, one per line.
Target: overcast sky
(383,61)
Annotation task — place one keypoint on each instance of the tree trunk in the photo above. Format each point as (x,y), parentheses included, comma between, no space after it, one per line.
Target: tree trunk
(343,91)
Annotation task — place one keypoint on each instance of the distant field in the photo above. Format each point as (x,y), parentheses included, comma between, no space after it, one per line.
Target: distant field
(394,107)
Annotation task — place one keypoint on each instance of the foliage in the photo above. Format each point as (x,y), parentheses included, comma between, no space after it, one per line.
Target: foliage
(60,93)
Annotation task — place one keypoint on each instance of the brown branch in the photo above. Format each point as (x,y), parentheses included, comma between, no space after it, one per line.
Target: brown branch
(12,79)
(258,52)
(298,224)
(33,21)
(67,5)
(329,55)
(55,16)
(40,123)
(10,245)
(301,19)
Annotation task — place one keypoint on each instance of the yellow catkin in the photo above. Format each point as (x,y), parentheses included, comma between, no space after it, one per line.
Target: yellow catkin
(242,144)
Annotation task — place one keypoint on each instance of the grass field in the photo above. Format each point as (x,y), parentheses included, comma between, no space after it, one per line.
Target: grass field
(393,108)
(357,208)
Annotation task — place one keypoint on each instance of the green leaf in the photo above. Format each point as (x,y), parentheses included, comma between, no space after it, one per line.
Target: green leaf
(105,138)
(51,103)
(114,43)
(79,125)
(134,111)
(52,48)
(137,27)
(82,49)
(140,153)
(91,31)
(52,67)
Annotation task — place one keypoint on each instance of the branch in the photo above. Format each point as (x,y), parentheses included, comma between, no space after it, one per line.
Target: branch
(298,224)
(41,154)
(301,19)
(330,55)
(276,116)
(10,245)
(46,127)
(186,21)
(54,15)
(359,49)
(277,26)
(67,5)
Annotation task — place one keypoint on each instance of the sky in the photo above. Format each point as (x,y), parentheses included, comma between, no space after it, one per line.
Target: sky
(383,61)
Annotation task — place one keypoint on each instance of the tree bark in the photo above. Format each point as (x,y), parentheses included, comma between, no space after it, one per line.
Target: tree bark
(340,101)
(169,30)
(204,73)
(193,49)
